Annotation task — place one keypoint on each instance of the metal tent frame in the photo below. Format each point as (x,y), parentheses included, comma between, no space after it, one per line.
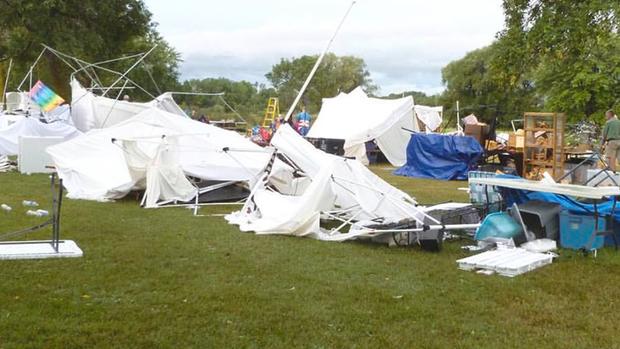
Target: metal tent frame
(38,249)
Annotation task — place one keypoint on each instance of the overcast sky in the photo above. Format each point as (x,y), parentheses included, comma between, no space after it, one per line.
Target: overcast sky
(405,43)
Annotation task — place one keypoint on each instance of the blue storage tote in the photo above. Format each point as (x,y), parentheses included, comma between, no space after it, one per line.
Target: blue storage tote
(576,230)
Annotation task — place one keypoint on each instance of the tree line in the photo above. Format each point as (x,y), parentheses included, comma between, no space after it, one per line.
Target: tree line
(554,55)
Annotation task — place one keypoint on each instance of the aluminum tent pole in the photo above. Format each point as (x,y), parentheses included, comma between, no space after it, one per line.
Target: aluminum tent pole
(29,73)
(198,93)
(130,69)
(458,118)
(95,65)
(316,65)
(6,82)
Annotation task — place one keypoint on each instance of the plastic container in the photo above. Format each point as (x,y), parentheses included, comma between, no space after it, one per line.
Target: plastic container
(37,213)
(576,231)
(542,218)
(29,203)
(498,224)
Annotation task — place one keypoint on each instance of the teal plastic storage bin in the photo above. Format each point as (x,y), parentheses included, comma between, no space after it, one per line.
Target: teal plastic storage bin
(576,230)
(498,225)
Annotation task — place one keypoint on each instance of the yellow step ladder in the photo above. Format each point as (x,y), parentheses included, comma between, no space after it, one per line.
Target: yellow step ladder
(272,111)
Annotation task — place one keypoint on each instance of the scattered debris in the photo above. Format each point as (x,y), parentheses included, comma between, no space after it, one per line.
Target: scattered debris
(29,203)
(506,261)
(37,213)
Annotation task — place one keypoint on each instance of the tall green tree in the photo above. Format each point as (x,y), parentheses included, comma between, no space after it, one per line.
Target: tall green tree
(572,48)
(419,98)
(486,89)
(89,29)
(335,74)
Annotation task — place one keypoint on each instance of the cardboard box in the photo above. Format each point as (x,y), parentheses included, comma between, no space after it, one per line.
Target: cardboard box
(516,141)
(479,132)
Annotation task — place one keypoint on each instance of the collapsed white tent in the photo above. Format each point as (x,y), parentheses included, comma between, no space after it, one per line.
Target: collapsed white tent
(90,111)
(357,118)
(107,163)
(31,127)
(320,184)
(7,119)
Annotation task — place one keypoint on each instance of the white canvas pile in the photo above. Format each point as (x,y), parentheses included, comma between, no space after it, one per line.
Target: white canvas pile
(90,111)
(158,146)
(29,126)
(319,184)
(357,118)
(7,119)
(431,117)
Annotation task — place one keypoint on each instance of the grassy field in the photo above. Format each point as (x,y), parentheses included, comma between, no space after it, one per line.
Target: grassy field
(163,278)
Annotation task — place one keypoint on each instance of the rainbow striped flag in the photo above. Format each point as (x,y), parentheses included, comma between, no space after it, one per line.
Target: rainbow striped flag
(44,97)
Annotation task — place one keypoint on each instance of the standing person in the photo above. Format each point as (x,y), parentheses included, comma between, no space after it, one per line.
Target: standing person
(611,139)
(204,118)
(303,122)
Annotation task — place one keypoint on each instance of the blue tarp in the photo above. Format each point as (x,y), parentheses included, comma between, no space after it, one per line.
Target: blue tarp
(520,196)
(440,156)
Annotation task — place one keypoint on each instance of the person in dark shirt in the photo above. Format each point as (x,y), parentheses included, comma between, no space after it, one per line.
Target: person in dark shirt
(611,139)
(204,118)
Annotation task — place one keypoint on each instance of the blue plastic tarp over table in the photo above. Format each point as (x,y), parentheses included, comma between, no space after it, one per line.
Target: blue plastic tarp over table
(443,157)
(604,208)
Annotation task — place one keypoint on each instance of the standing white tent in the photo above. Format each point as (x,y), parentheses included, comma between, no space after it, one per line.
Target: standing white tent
(357,118)
(107,163)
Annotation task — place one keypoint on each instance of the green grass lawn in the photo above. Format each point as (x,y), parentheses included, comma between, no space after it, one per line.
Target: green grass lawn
(163,278)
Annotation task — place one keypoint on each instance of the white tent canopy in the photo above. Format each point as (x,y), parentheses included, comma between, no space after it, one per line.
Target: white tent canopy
(357,119)
(431,117)
(90,111)
(325,184)
(31,127)
(94,167)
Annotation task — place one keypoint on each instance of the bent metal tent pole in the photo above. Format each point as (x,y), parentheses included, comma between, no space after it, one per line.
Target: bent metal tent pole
(233,110)
(130,69)
(316,65)
(6,82)
(29,73)
(98,66)
(198,93)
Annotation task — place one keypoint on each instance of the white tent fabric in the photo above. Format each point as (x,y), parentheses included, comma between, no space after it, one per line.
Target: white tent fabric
(431,117)
(95,168)
(90,111)
(28,126)
(7,119)
(357,119)
(165,179)
(337,184)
